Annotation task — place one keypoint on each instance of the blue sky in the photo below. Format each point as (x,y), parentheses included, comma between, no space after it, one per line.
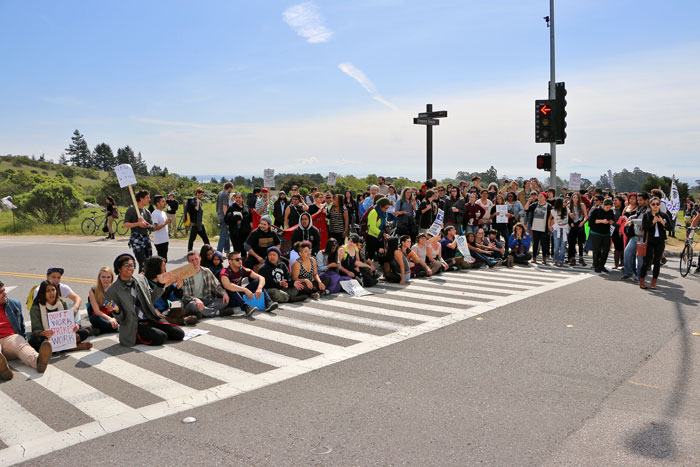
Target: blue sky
(234,87)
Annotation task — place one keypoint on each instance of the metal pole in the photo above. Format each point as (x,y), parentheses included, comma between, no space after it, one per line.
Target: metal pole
(552,93)
(429,145)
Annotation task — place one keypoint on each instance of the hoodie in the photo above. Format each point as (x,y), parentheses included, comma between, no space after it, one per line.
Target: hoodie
(309,233)
(274,274)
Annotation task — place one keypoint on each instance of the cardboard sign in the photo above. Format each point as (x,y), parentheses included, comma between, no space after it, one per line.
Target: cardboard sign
(574,181)
(501,217)
(183,272)
(125,175)
(62,324)
(269,178)
(464,248)
(352,287)
(332,177)
(437,225)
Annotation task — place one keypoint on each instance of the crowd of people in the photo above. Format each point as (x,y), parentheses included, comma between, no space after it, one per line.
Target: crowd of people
(381,234)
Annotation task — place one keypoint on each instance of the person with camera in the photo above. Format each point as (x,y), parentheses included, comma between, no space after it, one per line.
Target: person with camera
(654,225)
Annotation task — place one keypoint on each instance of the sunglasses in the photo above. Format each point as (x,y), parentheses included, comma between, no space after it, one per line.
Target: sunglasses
(655,204)
(129,265)
(236,259)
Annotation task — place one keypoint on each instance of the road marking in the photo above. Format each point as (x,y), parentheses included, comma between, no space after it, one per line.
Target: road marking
(348,318)
(422,286)
(247,351)
(356,306)
(322,328)
(499,286)
(191,362)
(43,276)
(19,425)
(154,383)
(384,300)
(84,397)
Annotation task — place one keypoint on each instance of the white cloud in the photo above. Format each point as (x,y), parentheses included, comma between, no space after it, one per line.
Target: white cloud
(359,76)
(305,19)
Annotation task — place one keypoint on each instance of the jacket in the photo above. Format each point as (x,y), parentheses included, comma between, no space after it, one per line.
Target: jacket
(13,311)
(454,218)
(126,316)
(520,246)
(195,215)
(310,234)
(648,224)
(212,287)
(374,224)
(274,274)
(38,321)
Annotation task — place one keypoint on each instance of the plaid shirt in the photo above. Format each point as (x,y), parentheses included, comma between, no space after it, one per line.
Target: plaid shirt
(140,242)
(212,287)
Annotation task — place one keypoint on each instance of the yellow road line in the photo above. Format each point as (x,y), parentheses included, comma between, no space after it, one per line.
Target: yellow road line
(43,276)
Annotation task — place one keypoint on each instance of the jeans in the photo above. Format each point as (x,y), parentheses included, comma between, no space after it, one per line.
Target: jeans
(212,307)
(236,298)
(559,246)
(224,244)
(98,322)
(540,239)
(632,264)
(471,228)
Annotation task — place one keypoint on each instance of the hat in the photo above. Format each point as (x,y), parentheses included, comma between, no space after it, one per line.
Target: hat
(275,249)
(171,194)
(282,192)
(118,260)
(54,269)
(267,219)
(384,201)
(264,189)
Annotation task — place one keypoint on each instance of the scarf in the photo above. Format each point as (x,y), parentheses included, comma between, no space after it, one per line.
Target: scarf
(58,306)
(382,217)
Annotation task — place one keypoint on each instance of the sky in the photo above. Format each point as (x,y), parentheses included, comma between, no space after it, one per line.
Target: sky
(234,87)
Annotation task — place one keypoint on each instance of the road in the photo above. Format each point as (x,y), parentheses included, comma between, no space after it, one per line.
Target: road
(531,366)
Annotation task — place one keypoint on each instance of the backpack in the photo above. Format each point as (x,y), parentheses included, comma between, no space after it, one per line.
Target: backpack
(30,297)
(115,212)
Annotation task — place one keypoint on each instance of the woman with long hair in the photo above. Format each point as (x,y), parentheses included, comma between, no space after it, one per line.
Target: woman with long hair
(338,220)
(99,315)
(559,226)
(405,212)
(111,210)
(396,267)
(351,206)
(330,266)
(539,212)
(503,228)
(352,262)
(48,300)
(519,243)
(578,215)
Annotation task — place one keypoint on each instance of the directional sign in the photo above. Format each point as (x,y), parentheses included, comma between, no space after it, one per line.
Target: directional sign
(438,114)
(426,121)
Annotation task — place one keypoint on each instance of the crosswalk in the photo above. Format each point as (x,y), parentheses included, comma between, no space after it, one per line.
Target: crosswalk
(87,394)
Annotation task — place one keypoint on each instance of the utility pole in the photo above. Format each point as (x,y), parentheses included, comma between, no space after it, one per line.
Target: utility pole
(552,93)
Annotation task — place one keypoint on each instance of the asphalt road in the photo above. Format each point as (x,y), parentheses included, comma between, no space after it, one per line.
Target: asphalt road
(594,373)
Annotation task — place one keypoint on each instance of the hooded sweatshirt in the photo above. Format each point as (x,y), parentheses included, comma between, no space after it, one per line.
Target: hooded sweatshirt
(309,233)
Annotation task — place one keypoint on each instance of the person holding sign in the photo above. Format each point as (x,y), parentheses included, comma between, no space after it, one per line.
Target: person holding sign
(12,342)
(48,301)
(138,219)
(132,304)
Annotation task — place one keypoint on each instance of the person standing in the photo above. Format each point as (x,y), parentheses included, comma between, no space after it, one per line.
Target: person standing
(196,213)
(171,212)
(262,205)
(600,219)
(238,218)
(138,219)
(454,210)
(161,221)
(252,198)
(654,224)
(427,211)
(539,212)
(222,202)
(111,209)
(279,207)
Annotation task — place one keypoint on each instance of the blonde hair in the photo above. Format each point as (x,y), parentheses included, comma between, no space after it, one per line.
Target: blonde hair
(99,290)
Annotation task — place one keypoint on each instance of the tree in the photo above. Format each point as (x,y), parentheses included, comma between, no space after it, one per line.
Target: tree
(240,180)
(62,159)
(654,181)
(139,165)
(156,171)
(50,202)
(103,157)
(125,155)
(213,180)
(78,151)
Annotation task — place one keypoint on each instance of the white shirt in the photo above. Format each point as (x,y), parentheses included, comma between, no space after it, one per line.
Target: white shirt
(64,289)
(161,235)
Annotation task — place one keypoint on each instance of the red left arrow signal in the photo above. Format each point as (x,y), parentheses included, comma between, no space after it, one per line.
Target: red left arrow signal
(545,109)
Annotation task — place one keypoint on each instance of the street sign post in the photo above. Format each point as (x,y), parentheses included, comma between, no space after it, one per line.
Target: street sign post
(429,119)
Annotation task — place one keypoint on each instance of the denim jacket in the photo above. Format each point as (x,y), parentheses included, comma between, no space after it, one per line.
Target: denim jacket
(13,311)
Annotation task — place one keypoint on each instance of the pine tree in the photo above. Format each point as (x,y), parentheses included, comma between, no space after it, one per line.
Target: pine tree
(62,159)
(78,151)
(103,157)
(140,166)
(125,155)
(156,171)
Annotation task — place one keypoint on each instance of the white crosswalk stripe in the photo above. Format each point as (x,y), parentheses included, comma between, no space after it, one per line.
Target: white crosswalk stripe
(393,313)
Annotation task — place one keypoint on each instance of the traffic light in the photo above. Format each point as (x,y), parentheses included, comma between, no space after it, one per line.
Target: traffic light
(560,113)
(544,162)
(544,122)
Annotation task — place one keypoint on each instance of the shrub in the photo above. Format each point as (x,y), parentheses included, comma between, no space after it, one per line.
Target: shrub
(50,202)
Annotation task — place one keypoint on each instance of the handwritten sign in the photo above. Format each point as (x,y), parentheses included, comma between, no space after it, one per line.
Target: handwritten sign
(269,178)
(501,217)
(464,248)
(354,288)
(183,272)
(574,181)
(125,175)
(332,177)
(62,324)
(437,225)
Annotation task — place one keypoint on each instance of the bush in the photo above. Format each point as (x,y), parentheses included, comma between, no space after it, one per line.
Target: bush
(50,202)
(67,171)
(90,199)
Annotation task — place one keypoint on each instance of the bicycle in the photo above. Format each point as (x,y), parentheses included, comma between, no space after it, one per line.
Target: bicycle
(90,225)
(686,262)
(181,228)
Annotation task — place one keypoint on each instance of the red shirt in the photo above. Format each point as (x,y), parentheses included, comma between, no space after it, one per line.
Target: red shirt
(235,277)
(6,328)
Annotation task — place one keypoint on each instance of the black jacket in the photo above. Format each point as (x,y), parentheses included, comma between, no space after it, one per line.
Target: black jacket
(649,227)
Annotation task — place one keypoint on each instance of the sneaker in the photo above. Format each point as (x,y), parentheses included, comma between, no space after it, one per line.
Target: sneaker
(271,307)
(5,372)
(626,276)
(248,310)
(663,261)
(604,269)
(509,262)
(315,296)
(45,351)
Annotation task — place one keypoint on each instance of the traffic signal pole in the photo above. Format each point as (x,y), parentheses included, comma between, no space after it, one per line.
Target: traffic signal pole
(552,93)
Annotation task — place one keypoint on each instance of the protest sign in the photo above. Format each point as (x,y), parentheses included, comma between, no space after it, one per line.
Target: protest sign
(354,288)
(183,272)
(464,248)
(501,217)
(269,178)
(62,324)
(574,181)
(126,177)
(332,177)
(437,225)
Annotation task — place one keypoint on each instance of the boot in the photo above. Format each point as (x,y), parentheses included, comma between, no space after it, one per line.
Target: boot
(581,261)
(653,283)
(642,283)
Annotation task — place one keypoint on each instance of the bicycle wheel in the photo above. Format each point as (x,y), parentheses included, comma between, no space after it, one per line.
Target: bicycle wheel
(88,226)
(119,227)
(686,261)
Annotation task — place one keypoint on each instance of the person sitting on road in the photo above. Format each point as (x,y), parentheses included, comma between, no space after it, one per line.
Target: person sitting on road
(449,251)
(155,266)
(278,281)
(396,266)
(12,342)
(54,275)
(232,281)
(132,304)
(418,266)
(304,269)
(433,251)
(352,262)
(206,253)
(519,243)
(330,266)
(479,253)
(48,300)
(307,232)
(494,243)
(217,263)
(99,315)
(204,296)
(258,242)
